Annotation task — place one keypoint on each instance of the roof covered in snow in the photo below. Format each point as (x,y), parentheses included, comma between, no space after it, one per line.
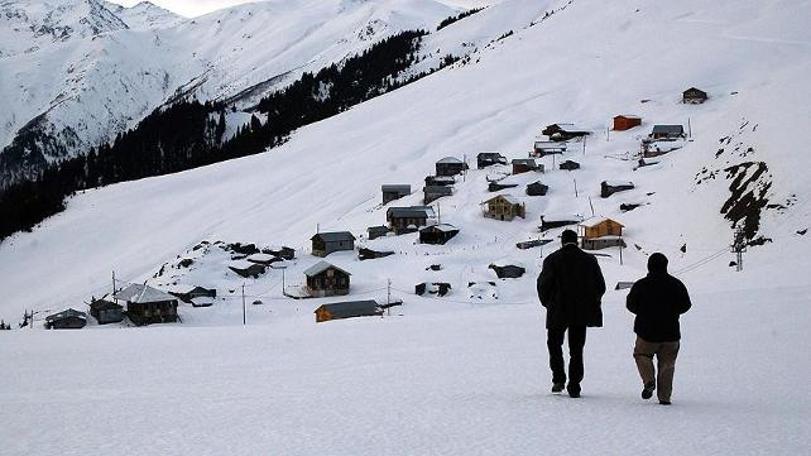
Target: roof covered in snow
(320,267)
(140,294)
(336,236)
(590,223)
(451,160)
(69,313)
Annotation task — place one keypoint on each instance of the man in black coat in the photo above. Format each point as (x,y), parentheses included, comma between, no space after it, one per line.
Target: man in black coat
(570,287)
(657,301)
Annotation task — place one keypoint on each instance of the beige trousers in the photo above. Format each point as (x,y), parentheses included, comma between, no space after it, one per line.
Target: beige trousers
(666,353)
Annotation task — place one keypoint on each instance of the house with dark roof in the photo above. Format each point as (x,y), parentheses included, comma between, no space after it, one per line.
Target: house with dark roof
(106,312)
(247,269)
(327,243)
(525,165)
(438,234)
(485,159)
(147,305)
(439,181)
(537,189)
(325,279)
(375,232)
(564,131)
(395,192)
(694,96)
(667,132)
(349,309)
(450,166)
(67,319)
(543,148)
(608,188)
(409,219)
(432,193)
(187,293)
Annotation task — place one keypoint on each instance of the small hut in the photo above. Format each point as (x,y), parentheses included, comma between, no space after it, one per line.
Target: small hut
(450,166)
(67,319)
(509,271)
(537,189)
(544,148)
(524,165)
(375,232)
(285,253)
(247,269)
(106,312)
(409,219)
(626,122)
(569,165)
(395,192)
(438,234)
(432,193)
(601,233)
(187,293)
(667,132)
(694,96)
(325,279)
(504,207)
(147,305)
(485,159)
(326,243)
(564,131)
(265,259)
(608,188)
(351,309)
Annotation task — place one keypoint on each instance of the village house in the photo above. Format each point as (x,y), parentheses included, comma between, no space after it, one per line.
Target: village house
(549,222)
(438,234)
(504,207)
(187,293)
(375,232)
(409,219)
(247,269)
(147,305)
(350,309)
(601,233)
(439,181)
(569,165)
(608,188)
(694,96)
(564,131)
(525,165)
(326,243)
(485,159)
(106,312)
(67,319)
(543,148)
(626,122)
(537,189)
(325,279)
(432,193)
(450,166)
(395,192)
(667,132)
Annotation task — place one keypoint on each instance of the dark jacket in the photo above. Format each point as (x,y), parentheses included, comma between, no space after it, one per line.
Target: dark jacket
(571,286)
(658,300)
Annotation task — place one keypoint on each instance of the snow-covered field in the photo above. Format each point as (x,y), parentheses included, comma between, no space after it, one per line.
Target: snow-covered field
(450,375)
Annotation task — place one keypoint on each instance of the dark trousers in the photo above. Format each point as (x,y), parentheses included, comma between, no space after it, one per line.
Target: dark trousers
(554,342)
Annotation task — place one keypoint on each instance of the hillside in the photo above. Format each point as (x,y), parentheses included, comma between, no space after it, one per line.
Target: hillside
(462,374)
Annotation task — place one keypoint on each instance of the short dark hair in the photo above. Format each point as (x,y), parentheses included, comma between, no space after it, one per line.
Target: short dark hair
(657,263)
(568,237)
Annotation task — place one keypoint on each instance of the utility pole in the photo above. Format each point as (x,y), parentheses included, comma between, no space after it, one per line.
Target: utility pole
(739,247)
(689,129)
(244,309)
(113,285)
(576,195)
(621,243)
(592,206)
(439,213)
(607,134)
(388,297)
(584,144)
(464,171)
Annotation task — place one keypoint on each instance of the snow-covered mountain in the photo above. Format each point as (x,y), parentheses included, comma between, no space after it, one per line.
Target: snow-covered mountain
(144,15)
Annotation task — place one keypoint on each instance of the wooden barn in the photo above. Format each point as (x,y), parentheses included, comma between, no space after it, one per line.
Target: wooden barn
(351,309)
(375,232)
(569,165)
(537,189)
(608,188)
(693,96)
(564,131)
(432,193)
(525,165)
(438,234)
(450,166)
(395,192)
(544,148)
(247,269)
(325,279)
(147,305)
(106,312)
(626,122)
(439,181)
(409,219)
(485,159)
(504,207)
(667,132)
(601,233)
(187,293)
(326,243)
(67,319)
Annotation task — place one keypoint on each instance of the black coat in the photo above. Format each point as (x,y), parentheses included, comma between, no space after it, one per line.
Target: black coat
(658,300)
(571,286)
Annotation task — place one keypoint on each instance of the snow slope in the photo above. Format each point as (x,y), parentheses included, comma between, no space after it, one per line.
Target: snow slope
(455,375)
(145,15)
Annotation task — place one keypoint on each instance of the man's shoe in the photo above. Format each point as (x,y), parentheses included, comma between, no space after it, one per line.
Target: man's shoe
(574,391)
(557,387)
(647,392)
(664,402)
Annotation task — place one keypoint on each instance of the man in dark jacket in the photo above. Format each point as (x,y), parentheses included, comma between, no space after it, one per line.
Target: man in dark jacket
(570,287)
(657,301)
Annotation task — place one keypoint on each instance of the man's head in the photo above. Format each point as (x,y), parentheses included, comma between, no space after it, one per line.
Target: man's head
(568,237)
(657,263)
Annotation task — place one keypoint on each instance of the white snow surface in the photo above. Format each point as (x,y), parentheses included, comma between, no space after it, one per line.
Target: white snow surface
(467,373)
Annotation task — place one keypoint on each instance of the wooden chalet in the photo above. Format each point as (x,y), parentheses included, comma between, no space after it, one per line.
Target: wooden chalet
(601,233)
(351,309)
(409,219)
(544,148)
(327,243)
(187,293)
(525,165)
(438,234)
(375,232)
(395,192)
(450,166)
(247,269)
(67,319)
(569,165)
(485,159)
(537,189)
(106,312)
(694,96)
(325,279)
(564,131)
(504,207)
(432,193)
(147,305)
(608,188)
(624,122)
(667,132)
